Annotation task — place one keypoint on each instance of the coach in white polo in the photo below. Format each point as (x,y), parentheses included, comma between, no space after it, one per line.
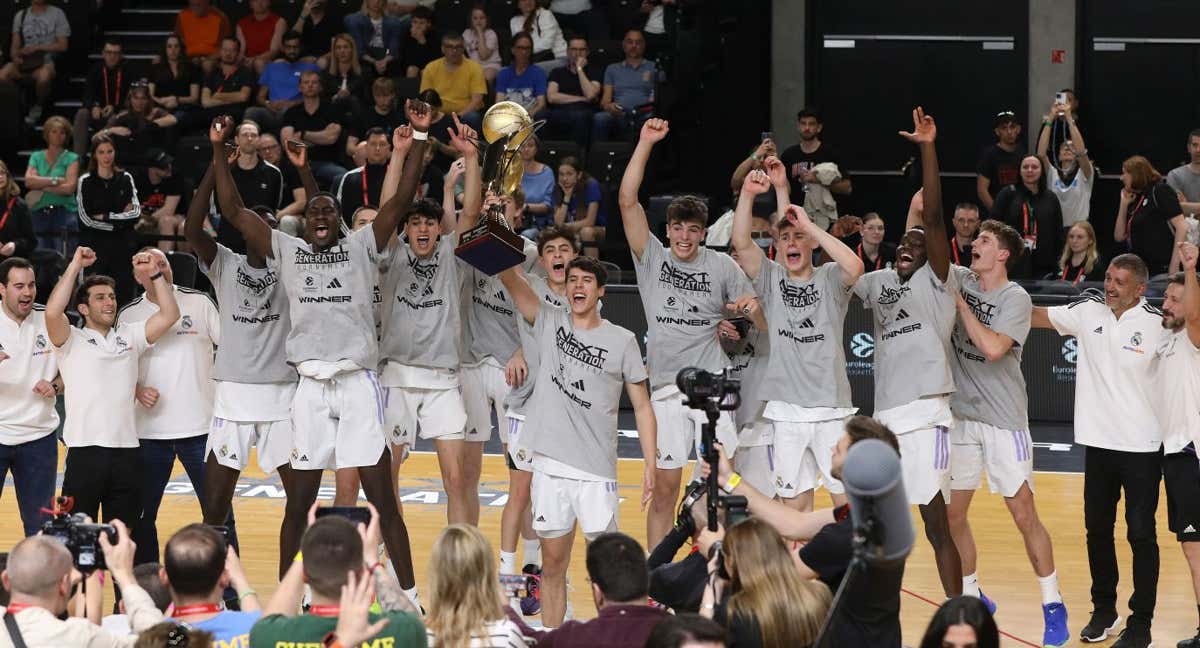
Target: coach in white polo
(1117,336)
(175,396)
(28,369)
(99,367)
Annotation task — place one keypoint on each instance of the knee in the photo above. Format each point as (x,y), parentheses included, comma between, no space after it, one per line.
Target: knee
(956,519)
(44,74)
(1141,530)
(1025,518)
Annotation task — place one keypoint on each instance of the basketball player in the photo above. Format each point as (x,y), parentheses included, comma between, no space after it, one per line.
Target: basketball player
(805,309)
(913,308)
(684,292)
(572,426)
(991,422)
(337,411)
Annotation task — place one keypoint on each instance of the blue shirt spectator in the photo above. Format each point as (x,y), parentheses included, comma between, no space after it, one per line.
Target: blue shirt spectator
(229,628)
(282,79)
(632,83)
(526,87)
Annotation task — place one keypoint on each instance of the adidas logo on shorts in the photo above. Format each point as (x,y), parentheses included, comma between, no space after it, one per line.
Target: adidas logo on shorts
(1190,529)
(541,518)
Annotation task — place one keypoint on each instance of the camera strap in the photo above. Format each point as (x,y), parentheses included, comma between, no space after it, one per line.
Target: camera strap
(14,633)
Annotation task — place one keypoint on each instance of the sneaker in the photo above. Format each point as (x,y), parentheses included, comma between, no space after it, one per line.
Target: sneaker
(1134,637)
(531,603)
(1056,633)
(1100,625)
(991,605)
(1194,642)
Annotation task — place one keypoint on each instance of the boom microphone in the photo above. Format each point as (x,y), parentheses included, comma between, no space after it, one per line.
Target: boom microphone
(878,504)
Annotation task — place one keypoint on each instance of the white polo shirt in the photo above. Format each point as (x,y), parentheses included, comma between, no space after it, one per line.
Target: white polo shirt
(180,367)
(1114,373)
(1177,369)
(24,415)
(99,374)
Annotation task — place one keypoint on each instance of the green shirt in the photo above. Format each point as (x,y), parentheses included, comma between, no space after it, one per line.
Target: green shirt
(42,167)
(307,631)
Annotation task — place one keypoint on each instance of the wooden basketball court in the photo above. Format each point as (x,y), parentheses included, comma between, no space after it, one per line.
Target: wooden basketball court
(1004,570)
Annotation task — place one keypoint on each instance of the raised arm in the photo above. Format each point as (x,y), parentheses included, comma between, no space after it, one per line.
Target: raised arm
(193,226)
(164,295)
(464,139)
(1079,148)
(749,255)
(297,153)
(57,324)
(522,293)
(419,117)
(637,230)
(924,135)
(1191,292)
(849,262)
(256,232)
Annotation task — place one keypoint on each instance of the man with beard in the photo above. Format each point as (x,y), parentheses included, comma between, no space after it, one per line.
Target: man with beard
(913,309)
(279,84)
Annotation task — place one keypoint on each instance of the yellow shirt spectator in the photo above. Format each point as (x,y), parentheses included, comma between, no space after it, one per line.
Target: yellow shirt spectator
(457,87)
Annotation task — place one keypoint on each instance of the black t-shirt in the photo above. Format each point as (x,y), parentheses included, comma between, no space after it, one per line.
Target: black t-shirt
(368,119)
(885,257)
(1148,228)
(568,83)
(218,81)
(262,185)
(796,160)
(1038,219)
(1002,167)
(352,194)
(300,120)
(153,196)
(870,613)
(959,255)
(316,39)
(291,180)
(414,53)
(168,85)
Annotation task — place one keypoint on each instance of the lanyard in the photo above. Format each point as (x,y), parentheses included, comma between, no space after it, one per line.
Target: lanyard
(878,256)
(954,250)
(7,211)
(1141,202)
(1025,222)
(325,610)
(117,99)
(1078,275)
(221,85)
(13,608)
(366,198)
(201,608)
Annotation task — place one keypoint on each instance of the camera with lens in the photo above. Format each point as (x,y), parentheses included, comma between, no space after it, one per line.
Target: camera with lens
(80,537)
(702,386)
(712,393)
(735,506)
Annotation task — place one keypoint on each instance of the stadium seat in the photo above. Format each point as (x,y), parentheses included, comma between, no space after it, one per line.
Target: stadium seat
(452,16)
(1050,287)
(192,155)
(407,88)
(606,161)
(605,52)
(551,151)
(47,266)
(623,14)
(185,268)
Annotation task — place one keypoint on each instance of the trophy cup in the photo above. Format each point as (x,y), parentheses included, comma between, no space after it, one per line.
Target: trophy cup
(492,246)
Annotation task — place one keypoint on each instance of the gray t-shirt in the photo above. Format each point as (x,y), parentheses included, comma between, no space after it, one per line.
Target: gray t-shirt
(41,28)
(421,314)
(573,412)
(684,303)
(330,295)
(1183,180)
(913,322)
(808,364)
(254,320)
(748,359)
(490,313)
(518,397)
(991,392)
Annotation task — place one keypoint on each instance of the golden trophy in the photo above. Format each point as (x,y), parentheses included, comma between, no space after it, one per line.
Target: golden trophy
(492,246)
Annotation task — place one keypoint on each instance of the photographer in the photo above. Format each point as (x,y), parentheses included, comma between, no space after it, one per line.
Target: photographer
(680,585)
(40,578)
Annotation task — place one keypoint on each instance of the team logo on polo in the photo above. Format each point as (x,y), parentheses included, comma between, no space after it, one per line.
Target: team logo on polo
(40,342)
(798,296)
(682,280)
(1136,340)
(889,295)
(122,345)
(186,322)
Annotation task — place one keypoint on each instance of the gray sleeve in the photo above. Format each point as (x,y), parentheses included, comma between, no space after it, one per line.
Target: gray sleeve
(832,284)
(767,276)
(1014,316)
(1173,180)
(864,289)
(62,28)
(631,361)
(736,281)
(652,254)
(545,319)
(365,238)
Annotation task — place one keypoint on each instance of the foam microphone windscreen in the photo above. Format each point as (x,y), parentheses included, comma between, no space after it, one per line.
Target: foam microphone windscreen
(875,487)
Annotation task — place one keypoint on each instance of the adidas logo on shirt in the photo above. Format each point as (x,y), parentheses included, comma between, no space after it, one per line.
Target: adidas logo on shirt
(334,283)
(903,314)
(578,384)
(541,518)
(808,323)
(1099,329)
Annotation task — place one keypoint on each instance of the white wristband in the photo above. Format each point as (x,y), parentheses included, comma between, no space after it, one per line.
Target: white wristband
(420,136)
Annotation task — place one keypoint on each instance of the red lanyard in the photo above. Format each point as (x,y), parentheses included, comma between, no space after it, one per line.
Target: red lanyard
(366,198)
(1078,275)
(1141,201)
(1025,221)
(221,85)
(12,608)
(954,250)
(325,610)
(7,211)
(201,608)
(104,75)
(878,256)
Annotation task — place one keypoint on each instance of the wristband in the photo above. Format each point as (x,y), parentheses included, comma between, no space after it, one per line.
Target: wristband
(420,136)
(330,640)
(732,483)
(155,276)
(245,595)
(299,557)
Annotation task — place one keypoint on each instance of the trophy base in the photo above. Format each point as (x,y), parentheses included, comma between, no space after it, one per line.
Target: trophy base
(491,248)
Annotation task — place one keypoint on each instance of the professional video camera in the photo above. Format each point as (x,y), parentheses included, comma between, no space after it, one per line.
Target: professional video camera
(81,537)
(712,393)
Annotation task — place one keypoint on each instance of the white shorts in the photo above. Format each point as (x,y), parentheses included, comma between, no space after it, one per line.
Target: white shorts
(558,502)
(756,465)
(679,431)
(1006,455)
(483,392)
(230,441)
(925,462)
(804,453)
(437,413)
(519,456)
(338,423)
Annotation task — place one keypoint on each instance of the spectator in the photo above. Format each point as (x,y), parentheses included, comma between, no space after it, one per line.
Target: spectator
(147,577)
(361,187)
(573,95)
(292,188)
(578,205)
(39,38)
(1080,261)
(316,123)
(258,182)
(483,46)
(260,33)
(1074,176)
(160,193)
(383,113)
(343,77)
(203,28)
(227,87)
(1000,163)
(686,631)
(801,159)
(377,37)
(549,48)
(966,228)
(54,171)
(579,17)
(174,80)
(16,225)
(1185,179)
(655,27)
(317,29)
(137,127)
(197,566)
(628,99)
(458,81)
(962,622)
(419,45)
(875,253)
(108,211)
(279,85)
(766,148)
(466,603)
(104,93)
(1149,218)
(40,579)
(1036,214)
(521,82)
(538,185)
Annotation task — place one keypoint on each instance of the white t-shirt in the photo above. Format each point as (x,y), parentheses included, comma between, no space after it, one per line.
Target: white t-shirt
(502,633)
(1114,373)
(24,415)
(1177,388)
(180,367)
(100,373)
(1075,198)
(253,402)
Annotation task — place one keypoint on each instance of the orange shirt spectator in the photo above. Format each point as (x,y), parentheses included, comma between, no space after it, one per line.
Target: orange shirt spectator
(202,27)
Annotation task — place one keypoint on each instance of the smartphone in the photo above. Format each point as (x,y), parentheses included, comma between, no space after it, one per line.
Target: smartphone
(355,514)
(1062,98)
(296,145)
(516,585)
(742,324)
(766,135)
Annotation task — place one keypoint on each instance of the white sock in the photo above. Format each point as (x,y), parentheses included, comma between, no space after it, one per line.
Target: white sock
(391,569)
(971,585)
(412,596)
(1049,585)
(508,562)
(533,551)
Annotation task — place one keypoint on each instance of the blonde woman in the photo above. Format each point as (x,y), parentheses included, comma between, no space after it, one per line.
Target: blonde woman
(54,171)
(343,81)
(765,602)
(466,604)
(1080,260)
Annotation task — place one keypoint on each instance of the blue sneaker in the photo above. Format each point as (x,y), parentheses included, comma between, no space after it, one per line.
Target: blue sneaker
(1056,633)
(991,605)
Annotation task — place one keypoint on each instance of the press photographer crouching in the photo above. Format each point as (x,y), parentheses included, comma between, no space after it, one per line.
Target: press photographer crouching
(680,585)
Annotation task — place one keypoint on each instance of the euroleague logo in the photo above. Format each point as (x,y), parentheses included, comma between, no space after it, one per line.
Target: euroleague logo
(862,345)
(1069,350)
